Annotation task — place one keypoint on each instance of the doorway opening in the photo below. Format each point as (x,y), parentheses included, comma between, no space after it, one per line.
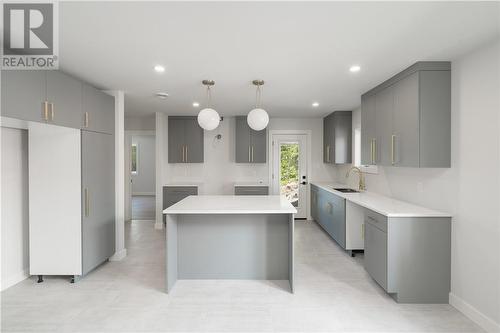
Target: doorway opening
(141,189)
(290,170)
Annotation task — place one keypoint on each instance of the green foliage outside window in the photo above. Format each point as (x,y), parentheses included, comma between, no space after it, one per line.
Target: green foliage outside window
(289,163)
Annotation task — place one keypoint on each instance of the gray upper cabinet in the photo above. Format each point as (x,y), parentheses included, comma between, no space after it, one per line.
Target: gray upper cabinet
(64,95)
(23,95)
(185,140)
(368,134)
(251,146)
(98,110)
(337,137)
(405,121)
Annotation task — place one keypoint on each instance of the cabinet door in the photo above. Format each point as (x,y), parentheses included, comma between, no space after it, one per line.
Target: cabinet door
(98,110)
(342,136)
(23,94)
(243,141)
(258,146)
(98,199)
(368,131)
(376,254)
(64,94)
(406,122)
(384,105)
(328,148)
(175,140)
(194,141)
(338,222)
(314,203)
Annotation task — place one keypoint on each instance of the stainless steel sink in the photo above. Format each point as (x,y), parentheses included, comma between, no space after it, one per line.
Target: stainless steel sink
(346,190)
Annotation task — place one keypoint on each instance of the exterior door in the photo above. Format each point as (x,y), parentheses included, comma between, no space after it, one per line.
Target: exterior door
(290,170)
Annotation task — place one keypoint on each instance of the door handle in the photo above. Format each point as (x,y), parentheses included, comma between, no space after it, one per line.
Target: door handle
(52,111)
(304,183)
(46,111)
(87,202)
(393,138)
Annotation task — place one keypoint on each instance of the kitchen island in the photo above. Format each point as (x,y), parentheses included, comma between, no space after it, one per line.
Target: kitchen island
(229,237)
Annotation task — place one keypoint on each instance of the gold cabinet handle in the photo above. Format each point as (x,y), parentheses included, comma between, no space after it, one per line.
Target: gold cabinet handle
(186,154)
(46,111)
(328,153)
(87,203)
(362,231)
(252,153)
(374,151)
(393,138)
(249,159)
(86,121)
(52,111)
(182,153)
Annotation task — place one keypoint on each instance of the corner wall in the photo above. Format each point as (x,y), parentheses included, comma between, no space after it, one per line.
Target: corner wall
(470,189)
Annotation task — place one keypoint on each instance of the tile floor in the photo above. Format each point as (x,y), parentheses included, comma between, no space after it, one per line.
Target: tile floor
(143,207)
(333,293)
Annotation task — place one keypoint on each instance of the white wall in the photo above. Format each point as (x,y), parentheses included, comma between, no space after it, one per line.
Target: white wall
(219,171)
(144,181)
(136,123)
(14,203)
(470,189)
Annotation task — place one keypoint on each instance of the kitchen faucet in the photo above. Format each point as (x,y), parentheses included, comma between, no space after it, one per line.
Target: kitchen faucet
(361,186)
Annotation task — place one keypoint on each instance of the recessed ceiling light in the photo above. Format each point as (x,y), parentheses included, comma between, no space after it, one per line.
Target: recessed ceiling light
(159,69)
(355,68)
(161,95)
(315,104)
(196,104)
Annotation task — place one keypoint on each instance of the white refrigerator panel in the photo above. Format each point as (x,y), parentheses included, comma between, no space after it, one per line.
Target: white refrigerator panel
(55,230)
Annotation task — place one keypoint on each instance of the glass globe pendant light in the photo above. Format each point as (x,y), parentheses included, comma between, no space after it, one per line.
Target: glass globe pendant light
(258,118)
(208,118)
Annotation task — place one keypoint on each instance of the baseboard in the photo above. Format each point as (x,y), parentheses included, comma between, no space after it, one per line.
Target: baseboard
(119,255)
(486,323)
(143,193)
(159,226)
(15,279)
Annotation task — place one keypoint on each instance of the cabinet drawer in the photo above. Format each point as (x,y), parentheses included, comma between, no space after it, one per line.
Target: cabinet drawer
(377,220)
(251,190)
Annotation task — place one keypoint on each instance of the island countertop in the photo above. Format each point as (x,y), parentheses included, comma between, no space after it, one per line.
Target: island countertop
(232,204)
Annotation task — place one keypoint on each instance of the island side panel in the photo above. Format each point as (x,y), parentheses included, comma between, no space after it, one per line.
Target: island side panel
(233,246)
(171,251)
(291,251)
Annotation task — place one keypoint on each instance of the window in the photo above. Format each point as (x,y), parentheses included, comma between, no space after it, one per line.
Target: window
(134,158)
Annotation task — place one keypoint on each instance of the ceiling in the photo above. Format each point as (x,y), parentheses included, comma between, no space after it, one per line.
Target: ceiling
(303,50)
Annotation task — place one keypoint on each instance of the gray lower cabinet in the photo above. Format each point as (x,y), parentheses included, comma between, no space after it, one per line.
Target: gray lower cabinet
(185,140)
(98,199)
(409,257)
(330,212)
(174,194)
(406,120)
(251,190)
(98,110)
(250,145)
(337,137)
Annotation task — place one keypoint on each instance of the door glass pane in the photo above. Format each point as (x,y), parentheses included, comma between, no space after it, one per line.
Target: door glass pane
(289,172)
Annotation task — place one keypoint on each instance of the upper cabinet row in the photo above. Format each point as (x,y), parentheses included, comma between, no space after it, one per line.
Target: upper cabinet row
(337,137)
(406,120)
(186,141)
(56,98)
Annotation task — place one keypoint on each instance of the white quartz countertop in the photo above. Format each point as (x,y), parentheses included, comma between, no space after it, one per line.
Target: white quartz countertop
(249,184)
(186,184)
(381,204)
(232,204)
